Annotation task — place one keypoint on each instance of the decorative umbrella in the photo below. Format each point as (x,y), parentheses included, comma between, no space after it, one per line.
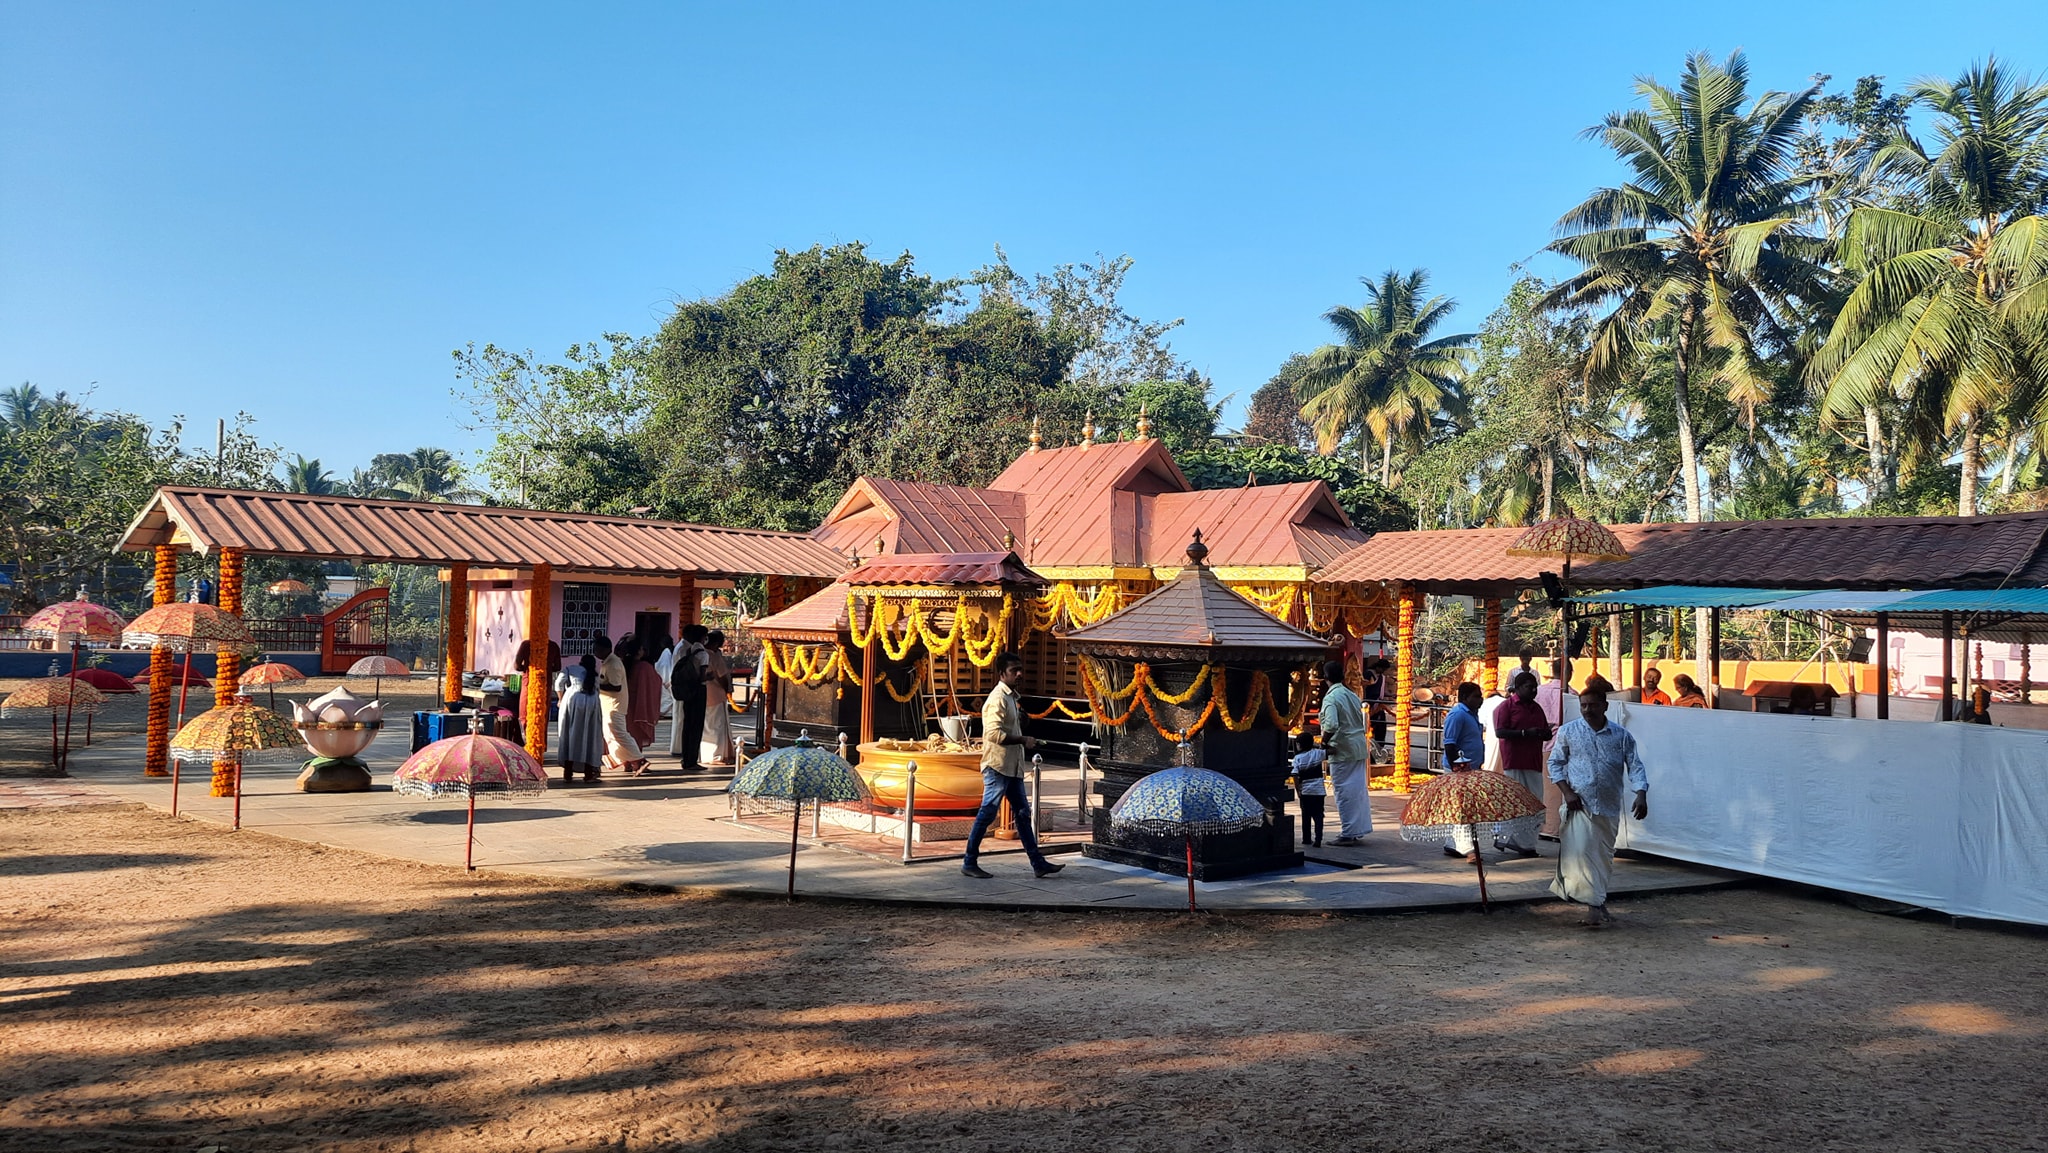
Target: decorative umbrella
(1568,537)
(107,681)
(1187,802)
(465,766)
(238,732)
(184,626)
(1470,800)
(379,667)
(74,622)
(272,674)
(285,587)
(49,695)
(795,774)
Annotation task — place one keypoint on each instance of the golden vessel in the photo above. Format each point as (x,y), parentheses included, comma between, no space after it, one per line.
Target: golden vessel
(947,781)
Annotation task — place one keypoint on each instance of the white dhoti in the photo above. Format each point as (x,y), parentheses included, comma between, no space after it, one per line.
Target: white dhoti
(1532,780)
(1354,804)
(620,747)
(1585,857)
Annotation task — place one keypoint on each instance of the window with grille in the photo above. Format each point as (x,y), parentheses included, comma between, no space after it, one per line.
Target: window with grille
(586,613)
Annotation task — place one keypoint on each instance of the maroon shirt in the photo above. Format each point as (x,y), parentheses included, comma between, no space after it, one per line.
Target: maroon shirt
(1520,754)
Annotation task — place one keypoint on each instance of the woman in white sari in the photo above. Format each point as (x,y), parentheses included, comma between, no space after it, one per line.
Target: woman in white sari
(716,747)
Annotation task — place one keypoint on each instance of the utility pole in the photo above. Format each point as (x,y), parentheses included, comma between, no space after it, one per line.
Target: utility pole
(220,451)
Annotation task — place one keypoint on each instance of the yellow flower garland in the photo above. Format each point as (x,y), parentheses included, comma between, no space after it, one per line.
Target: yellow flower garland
(1218,704)
(883,618)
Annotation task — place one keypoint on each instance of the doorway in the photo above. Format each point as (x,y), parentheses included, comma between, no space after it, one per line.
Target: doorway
(652,629)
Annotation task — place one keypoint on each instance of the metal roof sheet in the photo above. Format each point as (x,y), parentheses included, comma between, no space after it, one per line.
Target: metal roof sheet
(406,532)
(1082,502)
(1875,553)
(1195,615)
(1268,524)
(818,617)
(1466,556)
(1688,596)
(918,517)
(947,569)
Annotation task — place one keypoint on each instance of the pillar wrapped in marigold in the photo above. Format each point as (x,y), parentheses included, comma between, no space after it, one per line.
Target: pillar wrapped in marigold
(1404,687)
(1489,673)
(537,672)
(156,759)
(227,664)
(457,656)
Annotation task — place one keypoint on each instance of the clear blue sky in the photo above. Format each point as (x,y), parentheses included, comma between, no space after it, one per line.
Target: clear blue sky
(298,210)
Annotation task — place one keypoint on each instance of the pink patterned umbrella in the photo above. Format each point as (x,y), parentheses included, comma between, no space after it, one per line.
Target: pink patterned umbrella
(75,622)
(465,766)
(378,668)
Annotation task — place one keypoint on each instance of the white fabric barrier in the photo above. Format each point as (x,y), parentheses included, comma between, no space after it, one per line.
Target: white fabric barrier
(1946,816)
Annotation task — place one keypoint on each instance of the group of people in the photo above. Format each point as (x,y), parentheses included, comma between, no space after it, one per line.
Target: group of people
(612,700)
(1592,760)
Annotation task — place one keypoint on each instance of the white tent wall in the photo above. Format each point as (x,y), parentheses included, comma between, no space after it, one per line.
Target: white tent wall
(1946,816)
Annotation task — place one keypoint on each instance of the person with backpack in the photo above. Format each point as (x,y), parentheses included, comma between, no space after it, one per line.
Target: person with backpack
(686,684)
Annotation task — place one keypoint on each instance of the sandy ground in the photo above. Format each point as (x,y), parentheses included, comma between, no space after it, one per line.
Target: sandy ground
(167,985)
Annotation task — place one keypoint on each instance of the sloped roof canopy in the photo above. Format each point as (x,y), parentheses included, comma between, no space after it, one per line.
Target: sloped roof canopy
(818,617)
(1879,553)
(405,532)
(1470,560)
(916,517)
(945,570)
(1195,617)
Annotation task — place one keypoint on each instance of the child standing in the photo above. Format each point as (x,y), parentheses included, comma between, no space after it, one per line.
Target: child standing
(1310,788)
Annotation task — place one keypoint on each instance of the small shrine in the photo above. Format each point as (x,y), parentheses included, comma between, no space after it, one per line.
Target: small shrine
(1194,673)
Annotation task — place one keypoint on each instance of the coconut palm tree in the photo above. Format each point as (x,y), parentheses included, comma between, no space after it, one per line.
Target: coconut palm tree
(306,476)
(1702,247)
(1388,378)
(1951,314)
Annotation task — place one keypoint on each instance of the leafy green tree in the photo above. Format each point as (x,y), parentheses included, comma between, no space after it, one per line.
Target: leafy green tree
(1387,377)
(1951,312)
(1701,248)
(1178,410)
(302,475)
(569,435)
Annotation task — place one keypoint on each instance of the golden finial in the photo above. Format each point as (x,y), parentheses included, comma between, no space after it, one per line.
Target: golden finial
(1144,424)
(1009,542)
(1037,438)
(1088,430)
(880,546)
(1197,551)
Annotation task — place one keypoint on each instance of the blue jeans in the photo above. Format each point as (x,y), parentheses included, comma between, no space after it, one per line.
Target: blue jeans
(994,787)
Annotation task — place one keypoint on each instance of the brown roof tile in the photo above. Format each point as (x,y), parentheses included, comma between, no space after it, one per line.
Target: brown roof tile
(818,617)
(1194,617)
(974,568)
(404,532)
(1839,553)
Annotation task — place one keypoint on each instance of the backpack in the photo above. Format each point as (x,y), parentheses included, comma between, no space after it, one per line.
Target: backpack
(688,675)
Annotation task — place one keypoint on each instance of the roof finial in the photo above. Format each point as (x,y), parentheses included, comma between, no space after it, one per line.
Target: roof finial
(1037,437)
(1197,552)
(1009,541)
(1088,430)
(881,546)
(1144,424)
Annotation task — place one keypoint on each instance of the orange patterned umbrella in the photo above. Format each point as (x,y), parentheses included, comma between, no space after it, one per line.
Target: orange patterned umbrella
(1475,800)
(273,674)
(1571,537)
(236,732)
(52,694)
(188,625)
(280,588)
(78,619)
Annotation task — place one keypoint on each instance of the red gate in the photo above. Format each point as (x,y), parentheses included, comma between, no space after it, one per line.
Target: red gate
(358,628)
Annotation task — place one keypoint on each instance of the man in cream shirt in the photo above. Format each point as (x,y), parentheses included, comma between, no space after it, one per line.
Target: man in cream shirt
(1002,770)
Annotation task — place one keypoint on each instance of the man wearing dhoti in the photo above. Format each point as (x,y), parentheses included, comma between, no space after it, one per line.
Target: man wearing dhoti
(1591,760)
(1342,718)
(613,699)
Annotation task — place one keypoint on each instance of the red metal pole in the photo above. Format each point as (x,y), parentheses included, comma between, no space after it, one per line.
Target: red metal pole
(68,699)
(469,849)
(238,794)
(1479,860)
(1191,868)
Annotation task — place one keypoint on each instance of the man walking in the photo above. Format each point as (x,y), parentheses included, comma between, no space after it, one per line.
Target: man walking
(1522,729)
(1591,760)
(1464,751)
(1343,723)
(1003,745)
(686,686)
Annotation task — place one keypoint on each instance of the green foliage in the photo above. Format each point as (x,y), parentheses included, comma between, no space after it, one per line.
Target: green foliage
(1179,412)
(1273,416)
(1369,505)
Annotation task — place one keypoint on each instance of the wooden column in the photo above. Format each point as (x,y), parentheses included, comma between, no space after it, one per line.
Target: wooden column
(778,599)
(1614,647)
(156,758)
(689,605)
(227,667)
(1637,629)
(1404,686)
(1884,672)
(538,628)
(1489,674)
(457,657)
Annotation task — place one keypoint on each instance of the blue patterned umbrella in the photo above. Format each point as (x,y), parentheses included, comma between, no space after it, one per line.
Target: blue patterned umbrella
(1187,802)
(790,776)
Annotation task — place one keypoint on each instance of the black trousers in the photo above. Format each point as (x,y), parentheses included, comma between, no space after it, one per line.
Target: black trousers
(1311,818)
(691,705)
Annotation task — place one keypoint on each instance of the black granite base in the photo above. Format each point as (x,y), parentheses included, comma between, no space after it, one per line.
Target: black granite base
(1267,849)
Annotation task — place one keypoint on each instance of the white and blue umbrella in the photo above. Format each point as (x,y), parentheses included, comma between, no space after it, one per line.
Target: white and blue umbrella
(795,774)
(1187,802)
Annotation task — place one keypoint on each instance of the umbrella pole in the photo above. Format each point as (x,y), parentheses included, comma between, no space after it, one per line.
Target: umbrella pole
(56,759)
(69,698)
(469,843)
(1479,862)
(238,795)
(185,686)
(176,764)
(796,824)
(1191,872)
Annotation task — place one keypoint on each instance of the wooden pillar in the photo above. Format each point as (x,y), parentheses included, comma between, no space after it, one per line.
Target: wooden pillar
(1948,666)
(227,667)
(1884,672)
(867,670)
(538,676)
(778,599)
(457,657)
(1404,686)
(689,605)
(1637,630)
(156,758)
(1489,674)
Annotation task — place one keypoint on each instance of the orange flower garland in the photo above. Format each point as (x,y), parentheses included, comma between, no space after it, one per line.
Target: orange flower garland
(536,670)
(156,757)
(1218,704)
(1404,688)
(458,633)
(227,666)
(1489,673)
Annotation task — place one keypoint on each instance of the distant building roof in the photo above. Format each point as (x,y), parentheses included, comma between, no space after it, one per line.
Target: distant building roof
(1195,617)
(405,532)
(917,517)
(1464,560)
(944,570)
(818,617)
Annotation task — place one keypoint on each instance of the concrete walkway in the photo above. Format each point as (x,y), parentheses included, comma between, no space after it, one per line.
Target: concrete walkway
(675,831)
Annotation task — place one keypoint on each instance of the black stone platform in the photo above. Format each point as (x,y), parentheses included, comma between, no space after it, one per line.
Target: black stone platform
(1267,849)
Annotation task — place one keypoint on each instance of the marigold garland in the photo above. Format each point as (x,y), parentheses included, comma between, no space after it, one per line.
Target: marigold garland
(917,677)
(156,758)
(896,644)
(1404,689)
(801,665)
(537,673)
(1061,706)
(1217,705)
(1062,603)
(227,665)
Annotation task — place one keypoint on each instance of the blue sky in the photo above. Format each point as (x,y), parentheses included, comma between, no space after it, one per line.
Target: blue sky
(298,210)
